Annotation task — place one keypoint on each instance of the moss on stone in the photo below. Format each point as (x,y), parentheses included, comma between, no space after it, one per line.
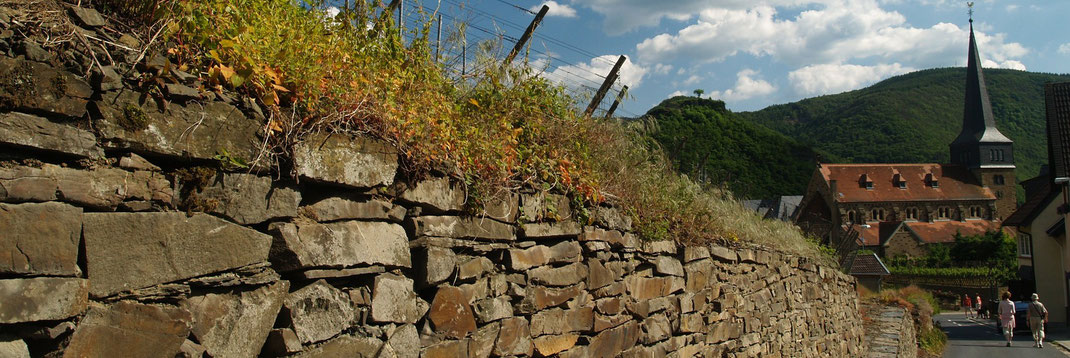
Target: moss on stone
(133,118)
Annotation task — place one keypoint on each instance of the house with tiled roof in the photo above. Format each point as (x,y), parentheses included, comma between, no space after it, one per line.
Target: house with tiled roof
(1041,221)
(869,269)
(899,209)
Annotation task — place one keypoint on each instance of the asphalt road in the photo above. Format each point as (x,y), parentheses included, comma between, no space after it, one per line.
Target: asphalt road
(970,338)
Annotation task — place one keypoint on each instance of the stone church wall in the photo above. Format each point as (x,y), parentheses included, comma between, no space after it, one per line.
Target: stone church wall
(117,239)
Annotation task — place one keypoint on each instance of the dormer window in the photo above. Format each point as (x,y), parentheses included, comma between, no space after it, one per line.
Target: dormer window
(931,180)
(897,179)
(865,182)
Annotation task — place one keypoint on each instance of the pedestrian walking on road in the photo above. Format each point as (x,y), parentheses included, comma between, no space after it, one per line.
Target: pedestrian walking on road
(967,305)
(1038,316)
(977,306)
(1006,317)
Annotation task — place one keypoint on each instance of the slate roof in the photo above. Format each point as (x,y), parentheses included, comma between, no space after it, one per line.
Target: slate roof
(1057,107)
(978,124)
(955,182)
(1043,192)
(869,265)
(781,208)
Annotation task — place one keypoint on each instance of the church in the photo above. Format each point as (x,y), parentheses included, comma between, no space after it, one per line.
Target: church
(899,209)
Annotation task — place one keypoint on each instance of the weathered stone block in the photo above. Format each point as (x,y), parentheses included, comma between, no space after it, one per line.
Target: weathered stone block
(30,131)
(335,208)
(543,206)
(195,130)
(482,343)
(281,341)
(667,265)
(559,276)
(12,347)
(124,251)
(514,338)
(723,254)
(493,309)
(40,239)
(345,346)
(461,227)
(339,159)
(105,330)
(616,239)
(319,311)
(32,87)
(447,349)
(663,247)
(404,342)
(435,265)
(236,324)
(604,322)
(559,321)
(611,342)
(543,297)
(393,300)
(42,298)
(103,188)
(655,328)
(550,345)
(692,253)
(502,207)
(437,194)
(450,313)
(303,244)
(549,230)
(538,255)
(645,288)
(474,268)
(249,199)
(611,218)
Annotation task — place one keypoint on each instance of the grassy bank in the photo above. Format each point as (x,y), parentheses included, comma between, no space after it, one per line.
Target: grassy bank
(495,129)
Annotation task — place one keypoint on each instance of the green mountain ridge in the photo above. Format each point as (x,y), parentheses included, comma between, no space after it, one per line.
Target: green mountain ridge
(913,117)
(909,118)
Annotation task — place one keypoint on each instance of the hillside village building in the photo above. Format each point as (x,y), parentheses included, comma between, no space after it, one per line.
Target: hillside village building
(899,209)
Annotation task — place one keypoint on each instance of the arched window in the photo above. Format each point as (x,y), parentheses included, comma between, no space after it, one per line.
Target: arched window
(975,211)
(912,213)
(943,212)
(878,214)
(997,179)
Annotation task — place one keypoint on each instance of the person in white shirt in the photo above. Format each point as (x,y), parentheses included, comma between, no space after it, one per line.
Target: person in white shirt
(1038,316)
(1006,317)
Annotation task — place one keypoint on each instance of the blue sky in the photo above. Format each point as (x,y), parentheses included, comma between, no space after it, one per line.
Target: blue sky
(752,54)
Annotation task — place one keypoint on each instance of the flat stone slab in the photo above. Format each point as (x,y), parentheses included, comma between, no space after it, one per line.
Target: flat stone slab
(305,244)
(236,325)
(42,298)
(335,208)
(33,87)
(126,251)
(249,199)
(394,300)
(345,346)
(436,194)
(30,131)
(548,230)
(339,159)
(194,130)
(40,239)
(135,329)
(461,227)
(103,188)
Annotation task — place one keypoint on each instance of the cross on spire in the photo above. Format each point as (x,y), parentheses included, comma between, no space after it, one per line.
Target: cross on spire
(970,11)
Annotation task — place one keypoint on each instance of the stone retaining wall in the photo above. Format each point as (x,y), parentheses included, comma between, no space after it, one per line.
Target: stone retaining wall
(116,240)
(890,333)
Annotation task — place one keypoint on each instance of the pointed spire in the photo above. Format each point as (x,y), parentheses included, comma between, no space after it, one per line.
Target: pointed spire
(978,124)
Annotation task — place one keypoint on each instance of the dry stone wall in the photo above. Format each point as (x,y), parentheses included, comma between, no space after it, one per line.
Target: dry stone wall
(118,237)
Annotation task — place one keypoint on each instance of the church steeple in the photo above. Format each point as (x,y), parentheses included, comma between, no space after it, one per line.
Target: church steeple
(979,144)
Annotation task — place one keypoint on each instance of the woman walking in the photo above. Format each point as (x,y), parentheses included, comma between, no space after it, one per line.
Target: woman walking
(1006,317)
(1038,316)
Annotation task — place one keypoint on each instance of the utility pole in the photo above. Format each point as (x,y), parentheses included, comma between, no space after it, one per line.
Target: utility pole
(527,34)
(610,79)
(620,95)
(438,38)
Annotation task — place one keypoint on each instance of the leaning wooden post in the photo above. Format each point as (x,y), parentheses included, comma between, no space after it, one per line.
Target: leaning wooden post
(620,95)
(401,14)
(527,34)
(610,79)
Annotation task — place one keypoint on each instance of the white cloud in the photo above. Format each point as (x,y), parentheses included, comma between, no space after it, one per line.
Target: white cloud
(747,86)
(556,9)
(839,32)
(678,93)
(692,80)
(1009,64)
(835,78)
(625,15)
(1065,48)
(662,69)
(592,73)
(1011,8)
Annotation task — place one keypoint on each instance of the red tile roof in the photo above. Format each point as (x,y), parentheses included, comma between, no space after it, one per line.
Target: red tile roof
(935,232)
(868,265)
(955,182)
(944,231)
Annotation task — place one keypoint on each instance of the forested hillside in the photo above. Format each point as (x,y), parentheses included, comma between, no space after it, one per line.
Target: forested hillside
(913,117)
(714,145)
